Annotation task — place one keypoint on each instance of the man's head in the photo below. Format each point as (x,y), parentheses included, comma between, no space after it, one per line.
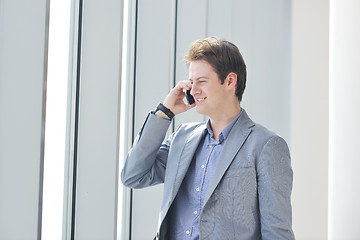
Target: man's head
(223,56)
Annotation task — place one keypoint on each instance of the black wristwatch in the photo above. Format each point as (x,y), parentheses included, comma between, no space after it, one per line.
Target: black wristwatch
(165,110)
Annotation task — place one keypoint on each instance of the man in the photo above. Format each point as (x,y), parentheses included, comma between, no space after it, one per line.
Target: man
(227,178)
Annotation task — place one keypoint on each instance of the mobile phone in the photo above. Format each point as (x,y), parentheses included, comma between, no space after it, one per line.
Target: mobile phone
(190,99)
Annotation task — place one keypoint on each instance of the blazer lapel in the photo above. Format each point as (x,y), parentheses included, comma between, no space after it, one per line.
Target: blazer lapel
(180,162)
(186,156)
(234,142)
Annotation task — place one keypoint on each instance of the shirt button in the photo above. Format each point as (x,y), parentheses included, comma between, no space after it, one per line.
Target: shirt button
(203,166)
(210,145)
(195,212)
(197,189)
(187,232)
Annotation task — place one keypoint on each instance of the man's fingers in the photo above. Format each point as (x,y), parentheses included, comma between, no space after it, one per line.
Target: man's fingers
(184,84)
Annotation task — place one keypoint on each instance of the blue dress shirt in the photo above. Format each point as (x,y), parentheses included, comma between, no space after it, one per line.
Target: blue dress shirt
(189,201)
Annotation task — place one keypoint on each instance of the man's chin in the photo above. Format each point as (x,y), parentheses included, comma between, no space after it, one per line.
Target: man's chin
(200,110)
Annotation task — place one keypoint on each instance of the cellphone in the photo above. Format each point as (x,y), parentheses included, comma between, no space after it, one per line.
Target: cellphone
(190,99)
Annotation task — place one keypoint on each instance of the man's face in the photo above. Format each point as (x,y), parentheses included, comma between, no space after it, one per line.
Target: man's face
(210,95)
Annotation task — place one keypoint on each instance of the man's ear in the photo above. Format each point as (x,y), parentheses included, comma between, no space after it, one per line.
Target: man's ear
(231,79)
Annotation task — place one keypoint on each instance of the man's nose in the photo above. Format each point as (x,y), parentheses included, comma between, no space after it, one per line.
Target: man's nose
(194,89)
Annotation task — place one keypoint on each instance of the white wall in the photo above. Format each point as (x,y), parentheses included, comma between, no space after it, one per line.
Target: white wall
(23,65)
(344,165)
(309,117)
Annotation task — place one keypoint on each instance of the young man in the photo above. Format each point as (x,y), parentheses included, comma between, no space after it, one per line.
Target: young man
(227,178)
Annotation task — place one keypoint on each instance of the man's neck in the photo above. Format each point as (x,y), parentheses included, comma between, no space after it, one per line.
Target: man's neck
(219,123)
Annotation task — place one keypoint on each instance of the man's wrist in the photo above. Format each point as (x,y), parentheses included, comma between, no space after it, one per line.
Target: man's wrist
(163,112)
(160,114)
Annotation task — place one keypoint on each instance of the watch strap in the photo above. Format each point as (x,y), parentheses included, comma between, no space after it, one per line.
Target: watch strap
(165,110)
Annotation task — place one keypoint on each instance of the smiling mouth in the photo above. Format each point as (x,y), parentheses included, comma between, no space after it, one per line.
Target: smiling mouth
(199,100)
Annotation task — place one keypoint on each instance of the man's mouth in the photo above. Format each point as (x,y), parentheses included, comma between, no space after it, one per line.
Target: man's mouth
(199,100)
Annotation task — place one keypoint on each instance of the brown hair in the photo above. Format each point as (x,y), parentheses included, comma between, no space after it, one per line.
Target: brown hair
(223,56)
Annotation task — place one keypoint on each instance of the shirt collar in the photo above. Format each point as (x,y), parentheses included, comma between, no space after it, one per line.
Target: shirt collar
(225,132)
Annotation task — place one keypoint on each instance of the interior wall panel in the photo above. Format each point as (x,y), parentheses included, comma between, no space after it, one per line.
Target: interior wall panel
(310,117)
(23,66)
(98,123)
(344,144)
(153,80)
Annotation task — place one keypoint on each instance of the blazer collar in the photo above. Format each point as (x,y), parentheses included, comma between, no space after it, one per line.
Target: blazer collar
(234,142)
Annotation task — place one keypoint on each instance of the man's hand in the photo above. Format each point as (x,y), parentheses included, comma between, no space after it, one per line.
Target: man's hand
(174,100)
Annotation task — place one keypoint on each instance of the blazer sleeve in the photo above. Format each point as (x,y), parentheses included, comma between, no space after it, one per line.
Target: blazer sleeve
(275,178)
(146,161)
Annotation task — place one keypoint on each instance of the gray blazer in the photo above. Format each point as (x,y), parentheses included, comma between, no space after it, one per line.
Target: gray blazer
(249,193)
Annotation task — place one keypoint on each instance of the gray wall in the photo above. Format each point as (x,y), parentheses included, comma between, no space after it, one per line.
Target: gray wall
(153,80)
(97,139)
(23,65)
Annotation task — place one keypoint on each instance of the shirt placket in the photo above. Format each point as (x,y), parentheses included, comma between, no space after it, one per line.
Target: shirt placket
(199,187)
